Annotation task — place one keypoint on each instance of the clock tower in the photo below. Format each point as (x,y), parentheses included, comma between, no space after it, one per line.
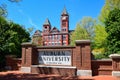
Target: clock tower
(64,21)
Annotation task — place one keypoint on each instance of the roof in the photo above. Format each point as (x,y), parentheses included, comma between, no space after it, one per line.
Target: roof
(37,33)
(54,29)
(70,31)
(64,11)
(47,22)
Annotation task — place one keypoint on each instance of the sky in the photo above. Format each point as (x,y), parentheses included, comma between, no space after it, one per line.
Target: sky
(33,13)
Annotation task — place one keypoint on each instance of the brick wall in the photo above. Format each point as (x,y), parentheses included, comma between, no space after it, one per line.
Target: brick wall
(101,67)
(80,57)
(13,63)
(80,60)
(116,64)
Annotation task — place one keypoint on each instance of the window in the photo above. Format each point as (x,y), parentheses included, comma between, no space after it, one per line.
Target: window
(52,37)
(48,37)
(49,44)
(64,37)
(53,44)
(64,29)
(55,37)
(59,43)
(64,43)
(58,37)
(64,24)
(45,27)
(45,37)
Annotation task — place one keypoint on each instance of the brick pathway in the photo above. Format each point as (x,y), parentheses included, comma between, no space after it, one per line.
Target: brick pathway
(16,75)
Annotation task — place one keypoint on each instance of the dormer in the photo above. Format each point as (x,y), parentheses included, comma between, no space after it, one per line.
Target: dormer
(47,26)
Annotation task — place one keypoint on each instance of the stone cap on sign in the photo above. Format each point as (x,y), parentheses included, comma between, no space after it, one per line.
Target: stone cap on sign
(82,41)
(54,47)
(114,56)
(27,44)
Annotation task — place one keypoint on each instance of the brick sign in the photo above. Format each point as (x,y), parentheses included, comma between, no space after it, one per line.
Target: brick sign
(55,57)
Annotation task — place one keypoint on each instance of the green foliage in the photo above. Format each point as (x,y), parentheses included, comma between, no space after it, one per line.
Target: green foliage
(30,30)
(84,30)
(109,5)
(3,7)
(112,26)
(12,35)
(3,10)
(100,37)
(37,40)
(79,34)
(99,56)
(88,23)
(98,53)
(15,0)
(99,42)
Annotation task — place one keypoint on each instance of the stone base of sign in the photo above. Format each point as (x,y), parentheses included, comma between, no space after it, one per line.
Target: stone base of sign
(26,69)
(84,73)
(59,70)
(115,73)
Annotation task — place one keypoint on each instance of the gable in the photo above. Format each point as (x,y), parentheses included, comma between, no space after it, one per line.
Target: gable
(37,32)
(54,30)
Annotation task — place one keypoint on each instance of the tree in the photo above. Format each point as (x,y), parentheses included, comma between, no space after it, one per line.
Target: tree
(19,35)
(15,0)
(99,44)
(11,37)
(112,26)
(37,40)
(30,30)
(3,10)
(100,37)
(88,23)
(84,30)
(79,34)
(3,7)
(109,6)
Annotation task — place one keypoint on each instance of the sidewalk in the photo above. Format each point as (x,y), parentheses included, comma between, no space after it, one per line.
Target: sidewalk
(16,75)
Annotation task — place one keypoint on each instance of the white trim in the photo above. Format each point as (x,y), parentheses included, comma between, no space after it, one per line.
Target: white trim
(26,69)
(82,41)
(114,56)
(84,72)
(53,66)
(115,73)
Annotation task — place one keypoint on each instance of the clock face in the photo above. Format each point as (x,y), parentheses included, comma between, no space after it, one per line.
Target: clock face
(63,18)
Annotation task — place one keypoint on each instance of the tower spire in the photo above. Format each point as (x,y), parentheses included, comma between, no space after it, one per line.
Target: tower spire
(47,22)
(64,11)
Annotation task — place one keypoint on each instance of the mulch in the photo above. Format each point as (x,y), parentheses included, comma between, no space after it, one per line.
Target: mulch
(16,75)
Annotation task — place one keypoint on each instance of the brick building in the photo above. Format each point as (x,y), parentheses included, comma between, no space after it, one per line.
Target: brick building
(51,36)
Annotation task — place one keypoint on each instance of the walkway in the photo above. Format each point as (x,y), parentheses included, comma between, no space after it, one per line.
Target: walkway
(16,75)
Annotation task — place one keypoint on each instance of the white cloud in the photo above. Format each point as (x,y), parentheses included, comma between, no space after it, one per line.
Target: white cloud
(21,12)
(30,21)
